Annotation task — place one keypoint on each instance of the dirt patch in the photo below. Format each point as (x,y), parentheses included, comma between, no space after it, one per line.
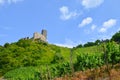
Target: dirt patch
(95,74)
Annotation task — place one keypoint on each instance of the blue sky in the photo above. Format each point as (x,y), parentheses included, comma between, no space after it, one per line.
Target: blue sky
(68,22)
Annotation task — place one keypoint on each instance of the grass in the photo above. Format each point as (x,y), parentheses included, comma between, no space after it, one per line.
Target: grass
(23,73)
(89,50)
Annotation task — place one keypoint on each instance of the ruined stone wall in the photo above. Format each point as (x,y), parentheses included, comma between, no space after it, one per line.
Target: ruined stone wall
(39,36)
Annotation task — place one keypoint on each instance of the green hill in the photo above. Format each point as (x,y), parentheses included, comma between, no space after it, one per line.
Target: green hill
(37,60)
(29,53)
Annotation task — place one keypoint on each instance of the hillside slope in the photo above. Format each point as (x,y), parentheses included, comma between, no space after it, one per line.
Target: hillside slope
(29,53)
(47,61)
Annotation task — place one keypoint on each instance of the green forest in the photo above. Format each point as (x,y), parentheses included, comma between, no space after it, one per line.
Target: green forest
(37,60)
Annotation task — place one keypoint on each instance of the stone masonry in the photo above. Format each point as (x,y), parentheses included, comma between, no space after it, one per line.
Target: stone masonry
(42,36)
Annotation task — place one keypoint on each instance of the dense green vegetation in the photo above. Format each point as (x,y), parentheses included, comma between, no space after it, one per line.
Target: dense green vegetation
(29,53)
(23,73)
(116,37)
(108,53)
(36,60)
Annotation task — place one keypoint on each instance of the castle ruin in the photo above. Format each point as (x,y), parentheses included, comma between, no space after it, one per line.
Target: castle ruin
(38,36)
(42,36)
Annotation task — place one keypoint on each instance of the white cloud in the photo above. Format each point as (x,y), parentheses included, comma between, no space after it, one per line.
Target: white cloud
(2,2)
(103,30)
(108,24)
(85,22)
(91,3)
(68,43)
(93,27)
(66,14)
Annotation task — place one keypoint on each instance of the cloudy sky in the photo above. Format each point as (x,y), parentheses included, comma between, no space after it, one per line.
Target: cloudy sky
(68,22)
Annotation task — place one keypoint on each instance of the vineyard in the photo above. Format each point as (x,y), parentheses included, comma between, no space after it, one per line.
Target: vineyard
(78,59)
(28,60)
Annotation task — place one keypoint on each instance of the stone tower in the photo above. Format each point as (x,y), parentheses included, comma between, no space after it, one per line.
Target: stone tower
(44,33)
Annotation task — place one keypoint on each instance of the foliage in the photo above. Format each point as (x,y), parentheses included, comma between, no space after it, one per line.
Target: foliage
(28,53)
(112,53)
(116,37)
(57,57)
(88,44)
(60,69)
(6,45)
(88,61)
(49,61)
(23,73)
(43,72)
(97,42)
(79,46)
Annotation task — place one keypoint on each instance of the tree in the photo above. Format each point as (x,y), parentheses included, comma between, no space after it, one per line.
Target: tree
(88,44)
(24,43)
(97,42)
(116,37)
(79,46)
(6,45)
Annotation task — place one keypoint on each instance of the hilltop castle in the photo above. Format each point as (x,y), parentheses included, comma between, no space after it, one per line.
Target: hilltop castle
(38,36)
(42,36)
